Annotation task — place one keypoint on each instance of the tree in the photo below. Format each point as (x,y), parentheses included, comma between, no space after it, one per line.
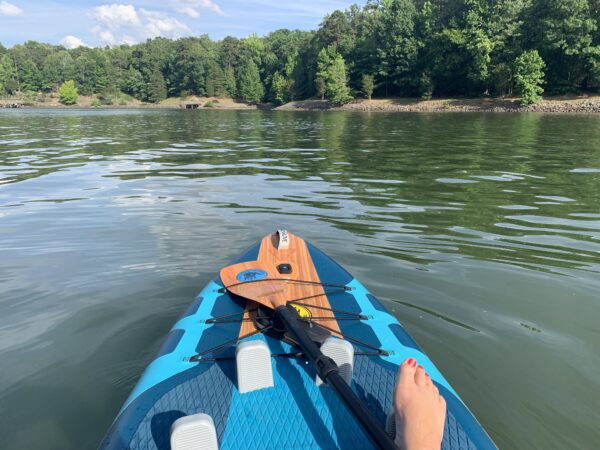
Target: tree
(278,89)
(68,93)
(30,76)
(331,79)
(230,82)
(563,31)
(320,86)
(8,75)
(336,85)
(57,68)
(397,46)
(336,30)
(367,85)
(134,84)
(324,60)
(529,76)
(157,88)
(215,80)
(250,87)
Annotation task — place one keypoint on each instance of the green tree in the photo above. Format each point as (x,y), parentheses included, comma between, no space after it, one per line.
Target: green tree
(29,76)
(368,85)
(320,86)
(68,93)
(564,33)
(57,68)
(278,89)
(336,85)
(8,75)
(230,82)
(324,60)
(337,30)
(250,87)
(215,80)
(397,45)
(134,84)
(529,76)
(331,79)
(157,88)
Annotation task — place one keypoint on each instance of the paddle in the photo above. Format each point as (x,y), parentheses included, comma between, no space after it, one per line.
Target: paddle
(257,282)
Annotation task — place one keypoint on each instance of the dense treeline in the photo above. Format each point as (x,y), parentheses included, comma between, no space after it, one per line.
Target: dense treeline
(388,48)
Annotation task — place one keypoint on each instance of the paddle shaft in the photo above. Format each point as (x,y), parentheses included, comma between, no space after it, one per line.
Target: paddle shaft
(327,370)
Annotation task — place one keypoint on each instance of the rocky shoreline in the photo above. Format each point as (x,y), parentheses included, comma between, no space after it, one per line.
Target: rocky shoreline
(586,105)
(582,105)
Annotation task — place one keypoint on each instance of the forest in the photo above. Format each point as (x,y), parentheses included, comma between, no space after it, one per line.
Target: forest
(386,48)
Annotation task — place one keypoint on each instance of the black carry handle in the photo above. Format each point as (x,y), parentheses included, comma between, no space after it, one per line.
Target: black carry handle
(327,370)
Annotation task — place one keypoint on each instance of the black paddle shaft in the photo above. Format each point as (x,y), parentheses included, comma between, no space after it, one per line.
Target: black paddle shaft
(327,370)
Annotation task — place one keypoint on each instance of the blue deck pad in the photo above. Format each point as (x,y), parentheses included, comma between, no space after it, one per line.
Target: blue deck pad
(295,413)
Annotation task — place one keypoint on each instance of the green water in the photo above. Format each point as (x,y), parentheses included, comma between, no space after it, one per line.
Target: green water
(481,232)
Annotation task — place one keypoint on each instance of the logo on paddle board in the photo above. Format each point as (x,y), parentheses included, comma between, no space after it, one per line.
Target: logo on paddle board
(302,311)
(251,275)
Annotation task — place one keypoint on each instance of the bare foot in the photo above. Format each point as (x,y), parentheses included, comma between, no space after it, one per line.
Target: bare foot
(420,410)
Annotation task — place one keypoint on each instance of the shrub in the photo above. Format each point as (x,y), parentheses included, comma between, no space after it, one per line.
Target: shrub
(68,93)
(30,98)
(105,99)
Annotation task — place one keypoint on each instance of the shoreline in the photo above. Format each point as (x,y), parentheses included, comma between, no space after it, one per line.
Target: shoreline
(563,104)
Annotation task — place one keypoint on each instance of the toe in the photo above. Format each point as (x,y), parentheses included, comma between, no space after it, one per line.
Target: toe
(421,377)
(406,372)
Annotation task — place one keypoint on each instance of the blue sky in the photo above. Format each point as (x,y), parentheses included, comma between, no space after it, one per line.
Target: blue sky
(97,23)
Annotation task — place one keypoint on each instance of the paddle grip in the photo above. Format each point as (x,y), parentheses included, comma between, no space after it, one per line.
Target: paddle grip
(327,370)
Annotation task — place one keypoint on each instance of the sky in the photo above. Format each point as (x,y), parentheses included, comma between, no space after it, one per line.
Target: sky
(96,23)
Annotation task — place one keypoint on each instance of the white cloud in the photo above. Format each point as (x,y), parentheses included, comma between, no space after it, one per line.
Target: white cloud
(124,24)
(192,7)
(188,11)
(107,37)
(159,24)
(8,9)
(73,42)
(128,40)
(116,16)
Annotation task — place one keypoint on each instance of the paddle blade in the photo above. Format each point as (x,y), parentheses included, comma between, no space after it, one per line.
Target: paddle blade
(255,281)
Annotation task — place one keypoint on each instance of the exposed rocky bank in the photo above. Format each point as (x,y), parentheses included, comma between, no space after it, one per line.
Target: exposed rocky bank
(550,105)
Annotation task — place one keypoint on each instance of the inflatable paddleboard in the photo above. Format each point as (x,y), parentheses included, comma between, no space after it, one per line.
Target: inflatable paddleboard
(229,376)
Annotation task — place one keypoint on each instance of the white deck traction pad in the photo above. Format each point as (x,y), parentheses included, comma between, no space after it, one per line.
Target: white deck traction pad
(253,366)
(342,352)
(195,432)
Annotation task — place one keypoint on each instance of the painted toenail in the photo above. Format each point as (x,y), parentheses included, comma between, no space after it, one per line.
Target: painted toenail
(410,361)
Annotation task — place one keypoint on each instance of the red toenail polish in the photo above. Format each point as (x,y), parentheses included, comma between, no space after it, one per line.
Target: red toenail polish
(414,363)
(410,361)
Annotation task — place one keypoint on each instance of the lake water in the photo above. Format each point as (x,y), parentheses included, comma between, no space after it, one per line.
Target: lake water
(481,232)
